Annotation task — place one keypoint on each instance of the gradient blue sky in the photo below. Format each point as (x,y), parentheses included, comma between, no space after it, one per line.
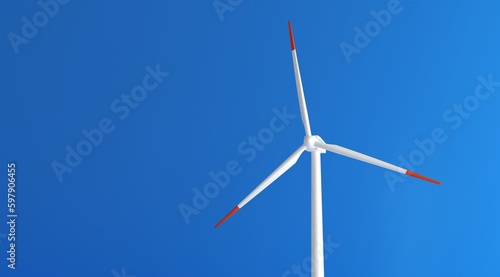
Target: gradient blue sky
(119,208)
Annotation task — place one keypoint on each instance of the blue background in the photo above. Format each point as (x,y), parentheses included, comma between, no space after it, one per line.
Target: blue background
(117,213)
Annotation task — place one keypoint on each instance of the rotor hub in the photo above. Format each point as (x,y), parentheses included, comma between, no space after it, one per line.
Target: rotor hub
(309,143)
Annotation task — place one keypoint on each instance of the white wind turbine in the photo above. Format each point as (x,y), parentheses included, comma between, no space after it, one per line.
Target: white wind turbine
(316,146)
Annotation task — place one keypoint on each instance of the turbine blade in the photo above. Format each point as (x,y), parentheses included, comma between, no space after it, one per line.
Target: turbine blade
(298,82)
(289,162)
(367,159)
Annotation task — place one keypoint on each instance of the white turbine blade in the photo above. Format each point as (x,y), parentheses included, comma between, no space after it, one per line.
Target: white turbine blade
(289,162)
(298,81)
(367,159)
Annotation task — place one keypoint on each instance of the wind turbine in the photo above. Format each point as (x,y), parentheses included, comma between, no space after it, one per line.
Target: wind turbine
(316,146)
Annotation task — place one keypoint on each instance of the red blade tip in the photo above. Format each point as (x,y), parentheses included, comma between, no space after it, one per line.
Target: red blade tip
(292,43)
(416,175)
(227,216)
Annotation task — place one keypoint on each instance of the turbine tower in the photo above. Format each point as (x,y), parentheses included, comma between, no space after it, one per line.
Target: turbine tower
(315,145)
